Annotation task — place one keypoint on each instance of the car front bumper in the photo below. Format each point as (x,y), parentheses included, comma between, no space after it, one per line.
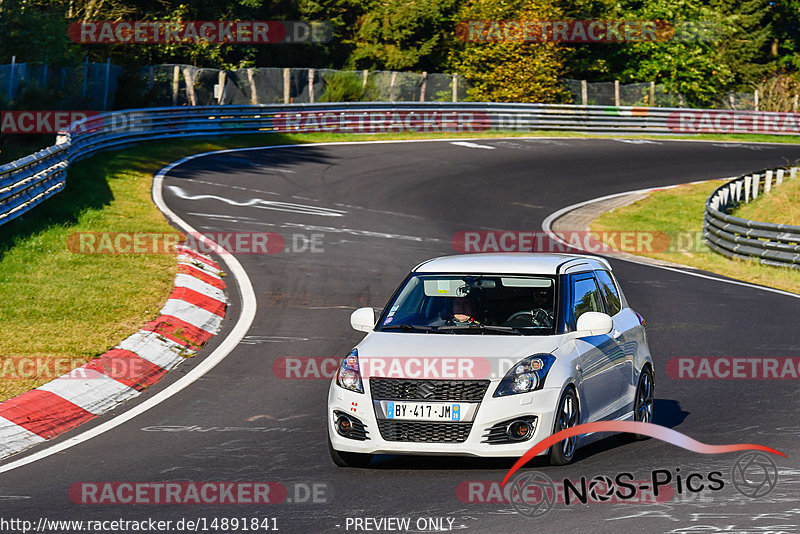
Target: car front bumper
(491,411)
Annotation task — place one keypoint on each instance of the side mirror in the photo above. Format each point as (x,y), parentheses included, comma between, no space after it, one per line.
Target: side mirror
(363,319)
(594,324)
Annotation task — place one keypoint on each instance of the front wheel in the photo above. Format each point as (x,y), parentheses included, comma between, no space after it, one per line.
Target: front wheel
(643,406)
(348,459)
(567,416)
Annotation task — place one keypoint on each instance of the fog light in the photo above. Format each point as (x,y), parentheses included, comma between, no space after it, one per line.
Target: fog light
(519,430)
(344,425)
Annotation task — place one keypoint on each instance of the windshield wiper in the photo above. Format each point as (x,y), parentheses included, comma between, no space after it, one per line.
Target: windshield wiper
(482,328)
(408,327)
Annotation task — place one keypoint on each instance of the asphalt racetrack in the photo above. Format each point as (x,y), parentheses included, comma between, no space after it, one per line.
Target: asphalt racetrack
(376,210)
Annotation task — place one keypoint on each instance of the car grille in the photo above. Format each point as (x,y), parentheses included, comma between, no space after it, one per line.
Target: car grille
(424,432)
(428,390)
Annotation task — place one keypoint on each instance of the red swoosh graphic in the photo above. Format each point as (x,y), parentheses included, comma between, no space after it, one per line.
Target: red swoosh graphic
(647,429)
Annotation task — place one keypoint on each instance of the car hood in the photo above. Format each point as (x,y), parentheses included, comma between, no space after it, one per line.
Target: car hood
(437,356)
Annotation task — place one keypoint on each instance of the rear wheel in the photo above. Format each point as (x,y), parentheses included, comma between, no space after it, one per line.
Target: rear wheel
(348,459)
(567,416)
(643,406)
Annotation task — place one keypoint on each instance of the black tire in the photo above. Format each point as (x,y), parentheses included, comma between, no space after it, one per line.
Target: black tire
(567,415)
(348,459)
(644,401)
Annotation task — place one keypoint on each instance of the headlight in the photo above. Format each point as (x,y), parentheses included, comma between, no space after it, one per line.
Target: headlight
(348,376)
(527,375)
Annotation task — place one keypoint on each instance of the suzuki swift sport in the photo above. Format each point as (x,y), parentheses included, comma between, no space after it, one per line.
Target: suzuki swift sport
(487,354)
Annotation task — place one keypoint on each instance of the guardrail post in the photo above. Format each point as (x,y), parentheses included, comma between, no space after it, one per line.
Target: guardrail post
(793,173)
(311,85)
(756,178)
(779,177)
(287,84)
(188,79)
(85,75)
(176,72)
(747,180)
(455,87)
(253,91)
(108,78)
(221,82)
(364,76)
(391,86)
(738,192)
(652,94)
(584,92)
(767,182)
(11,78)
(755,99)
(616,93)
(424,86)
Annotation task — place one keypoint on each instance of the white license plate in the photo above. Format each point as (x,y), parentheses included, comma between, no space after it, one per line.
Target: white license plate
(423,411)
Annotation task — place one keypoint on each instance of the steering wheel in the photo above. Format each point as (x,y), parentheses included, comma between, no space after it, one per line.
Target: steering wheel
(537,317)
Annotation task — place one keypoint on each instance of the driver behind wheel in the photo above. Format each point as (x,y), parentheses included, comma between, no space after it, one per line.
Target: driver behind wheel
(463,313)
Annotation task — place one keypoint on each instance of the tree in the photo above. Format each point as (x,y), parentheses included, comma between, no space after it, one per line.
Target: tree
(506,69)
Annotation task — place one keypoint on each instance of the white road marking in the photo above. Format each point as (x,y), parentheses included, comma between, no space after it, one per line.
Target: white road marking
(467,144)
(637,141)
(262,204)
(352,231)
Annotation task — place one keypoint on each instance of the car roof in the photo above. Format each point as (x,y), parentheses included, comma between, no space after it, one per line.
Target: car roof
(512,263)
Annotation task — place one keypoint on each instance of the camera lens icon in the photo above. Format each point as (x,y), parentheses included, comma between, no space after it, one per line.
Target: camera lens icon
(754,474)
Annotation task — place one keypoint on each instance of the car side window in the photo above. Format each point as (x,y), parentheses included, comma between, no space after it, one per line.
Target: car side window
(585,297)
(610,292)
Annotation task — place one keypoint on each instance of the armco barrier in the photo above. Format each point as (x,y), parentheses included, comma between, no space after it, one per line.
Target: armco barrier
(733,237)
(27,182)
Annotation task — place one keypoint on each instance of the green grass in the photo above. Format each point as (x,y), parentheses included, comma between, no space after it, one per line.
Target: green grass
(58,304)
(678,213)
(781,205)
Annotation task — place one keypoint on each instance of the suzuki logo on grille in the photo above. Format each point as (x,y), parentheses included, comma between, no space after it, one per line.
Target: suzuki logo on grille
(425,391)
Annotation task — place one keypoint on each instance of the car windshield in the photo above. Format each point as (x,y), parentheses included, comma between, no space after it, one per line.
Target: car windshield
(473,304)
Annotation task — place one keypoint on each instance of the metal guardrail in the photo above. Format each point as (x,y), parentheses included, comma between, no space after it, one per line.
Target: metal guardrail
(733,237)
(27,182)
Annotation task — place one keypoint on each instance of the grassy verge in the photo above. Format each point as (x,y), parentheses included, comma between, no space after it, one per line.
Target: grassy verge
(780,206)
(678,213)
(57,305)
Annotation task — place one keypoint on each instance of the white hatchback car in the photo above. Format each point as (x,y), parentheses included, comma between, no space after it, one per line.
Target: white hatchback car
(487,354)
